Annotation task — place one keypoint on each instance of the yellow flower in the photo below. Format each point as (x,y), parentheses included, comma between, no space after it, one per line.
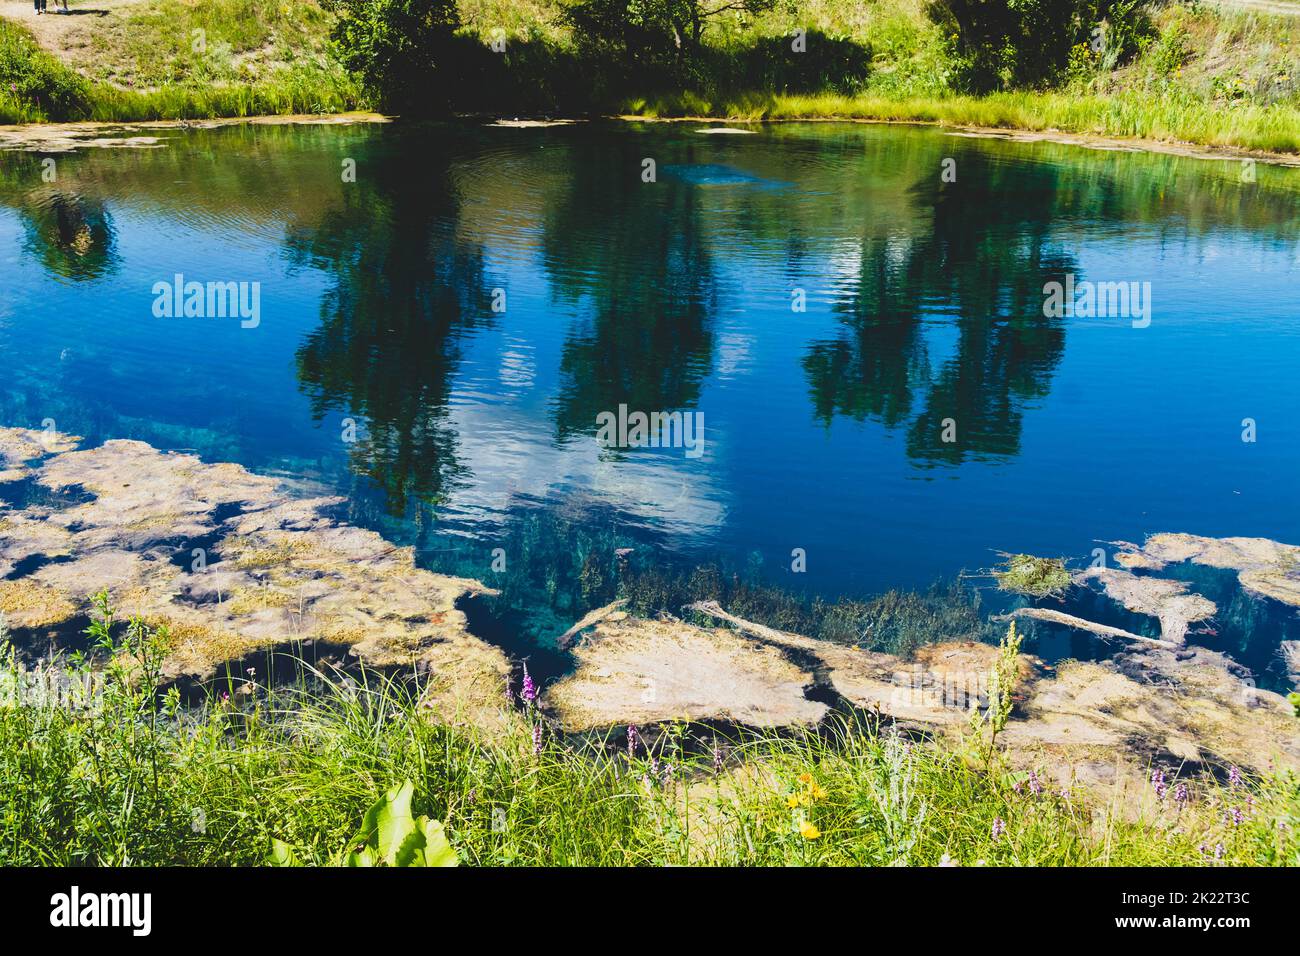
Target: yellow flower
(808,831)
(792,801)
(805,778)
(818,792)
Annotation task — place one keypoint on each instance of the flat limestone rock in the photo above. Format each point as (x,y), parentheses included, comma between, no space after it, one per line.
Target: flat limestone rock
(1095,725)
(1100,726)
(231,563)
(638,671)
(935,688)
(18,446)
(1264,567)
(1169,601)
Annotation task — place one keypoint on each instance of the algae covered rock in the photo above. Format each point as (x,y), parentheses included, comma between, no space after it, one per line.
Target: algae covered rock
(231,563)
(1264,567)
(638,671)
(1099,726)
(20,446)
(1171,602)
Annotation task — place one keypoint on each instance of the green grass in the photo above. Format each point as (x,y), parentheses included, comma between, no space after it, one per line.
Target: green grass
(1267,128)
(254,60)
(1208,77)
(217,41)
(141,780)
(34,86)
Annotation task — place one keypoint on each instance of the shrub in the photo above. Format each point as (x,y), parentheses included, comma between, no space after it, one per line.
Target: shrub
(34,85)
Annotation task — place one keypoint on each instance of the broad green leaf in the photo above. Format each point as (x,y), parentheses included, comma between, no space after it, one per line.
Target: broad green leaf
(363,857)
(388,823)
(282,855)
(438,850)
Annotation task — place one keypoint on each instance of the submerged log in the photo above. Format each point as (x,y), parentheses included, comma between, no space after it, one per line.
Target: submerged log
(610,610)
(1081,624)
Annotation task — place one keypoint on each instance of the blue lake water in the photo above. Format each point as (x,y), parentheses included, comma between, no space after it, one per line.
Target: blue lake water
(866,343)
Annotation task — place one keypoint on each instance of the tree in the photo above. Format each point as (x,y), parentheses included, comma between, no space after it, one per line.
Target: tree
(651,34)
(1007,43)
(397,47)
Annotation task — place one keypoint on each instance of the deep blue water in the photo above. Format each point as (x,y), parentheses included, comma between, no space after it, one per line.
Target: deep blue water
(823,428)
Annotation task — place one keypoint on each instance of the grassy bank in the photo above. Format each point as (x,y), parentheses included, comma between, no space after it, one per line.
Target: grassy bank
(1201,76)
(1196,75)
(139,779)
(172,60)
(1271,128)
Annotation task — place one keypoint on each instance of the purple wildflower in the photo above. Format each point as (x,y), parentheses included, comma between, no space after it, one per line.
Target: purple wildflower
(999,828)
(632,737)
(1181,794)
(1219,851)
(1238,818)
(529,693)
(1035,787)
(1234,777)
(1158,782)
(717,757)
(537,737)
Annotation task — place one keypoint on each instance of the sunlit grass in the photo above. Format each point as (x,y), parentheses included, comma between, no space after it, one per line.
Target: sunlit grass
(1274,128)
(254,61)
(143,780)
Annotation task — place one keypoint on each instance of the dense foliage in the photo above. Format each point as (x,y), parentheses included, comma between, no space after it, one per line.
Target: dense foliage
(1003,44)
(33,85)
(399,48)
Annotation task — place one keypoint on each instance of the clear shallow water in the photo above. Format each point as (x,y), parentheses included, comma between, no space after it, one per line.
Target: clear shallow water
(824,429)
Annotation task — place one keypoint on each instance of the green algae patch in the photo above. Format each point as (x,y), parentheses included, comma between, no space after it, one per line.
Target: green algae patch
(1032,576)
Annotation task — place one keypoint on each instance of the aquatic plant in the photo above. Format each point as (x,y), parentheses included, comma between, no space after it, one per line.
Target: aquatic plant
(1032,576)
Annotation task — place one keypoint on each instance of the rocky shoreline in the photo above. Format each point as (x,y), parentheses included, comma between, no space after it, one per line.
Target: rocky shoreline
(234,563)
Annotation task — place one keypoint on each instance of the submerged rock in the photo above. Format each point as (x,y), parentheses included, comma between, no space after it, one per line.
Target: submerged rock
(1169,601)
(1096,725)
(231,563)
(19,446)
(1264,567)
